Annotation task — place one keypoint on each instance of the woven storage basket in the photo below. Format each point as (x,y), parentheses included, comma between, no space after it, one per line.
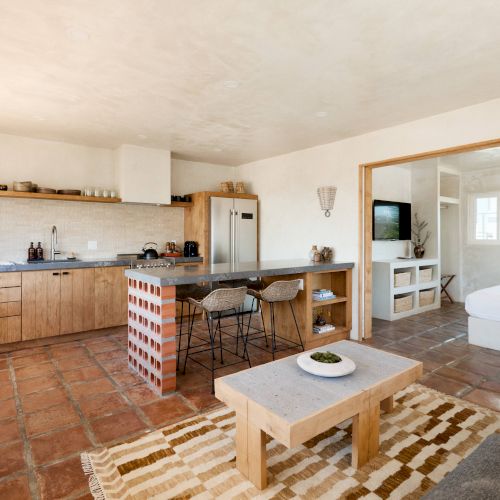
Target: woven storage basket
(426,297)
(402,279)
(425,275)
(402,304)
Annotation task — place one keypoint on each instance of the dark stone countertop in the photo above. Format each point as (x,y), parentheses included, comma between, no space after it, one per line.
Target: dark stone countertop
(80,264)
(186,275)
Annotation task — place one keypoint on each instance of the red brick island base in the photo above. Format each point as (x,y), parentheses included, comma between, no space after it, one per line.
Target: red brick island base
(151,334)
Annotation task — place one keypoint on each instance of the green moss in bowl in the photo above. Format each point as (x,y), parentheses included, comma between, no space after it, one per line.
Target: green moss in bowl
(326,357)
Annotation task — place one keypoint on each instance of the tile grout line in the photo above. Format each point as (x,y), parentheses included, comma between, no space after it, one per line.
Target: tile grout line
(28,455)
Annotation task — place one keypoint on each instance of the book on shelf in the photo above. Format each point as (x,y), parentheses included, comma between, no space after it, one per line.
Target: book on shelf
(323,294)
(323,328)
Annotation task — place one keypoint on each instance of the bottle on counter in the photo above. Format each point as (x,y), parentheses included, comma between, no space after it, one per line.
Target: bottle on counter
(313,250)
(39,251)
(31,252)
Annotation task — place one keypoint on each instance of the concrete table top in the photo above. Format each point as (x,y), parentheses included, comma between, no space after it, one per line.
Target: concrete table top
(188,275)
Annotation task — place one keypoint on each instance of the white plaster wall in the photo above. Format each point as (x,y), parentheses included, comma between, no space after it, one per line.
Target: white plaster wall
(290,216)
(481,263)
(57,165)
(193,176)
(391,184)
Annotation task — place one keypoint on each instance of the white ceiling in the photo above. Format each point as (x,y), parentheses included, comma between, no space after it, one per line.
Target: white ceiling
(157,72)
(482,159)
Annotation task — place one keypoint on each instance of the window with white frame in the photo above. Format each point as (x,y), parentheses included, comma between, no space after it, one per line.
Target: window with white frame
(484,220)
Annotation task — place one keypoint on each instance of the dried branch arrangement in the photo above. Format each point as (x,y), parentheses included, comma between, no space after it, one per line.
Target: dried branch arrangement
(417,229)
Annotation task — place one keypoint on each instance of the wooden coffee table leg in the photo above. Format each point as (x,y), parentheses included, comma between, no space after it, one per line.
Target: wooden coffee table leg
(387,405)
(360,435)
(365,435)
(251,451)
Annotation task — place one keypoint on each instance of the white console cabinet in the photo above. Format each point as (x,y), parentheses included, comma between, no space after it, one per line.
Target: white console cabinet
(386,294)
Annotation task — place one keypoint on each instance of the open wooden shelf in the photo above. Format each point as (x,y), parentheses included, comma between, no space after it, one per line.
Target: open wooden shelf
(59,197)
(180,204)
(321,303)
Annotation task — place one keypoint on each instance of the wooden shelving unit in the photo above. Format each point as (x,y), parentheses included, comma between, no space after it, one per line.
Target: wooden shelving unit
(180,204)
(336,311)
(59,197)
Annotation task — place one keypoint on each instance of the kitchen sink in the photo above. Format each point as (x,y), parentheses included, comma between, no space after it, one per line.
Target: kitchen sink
(48,261)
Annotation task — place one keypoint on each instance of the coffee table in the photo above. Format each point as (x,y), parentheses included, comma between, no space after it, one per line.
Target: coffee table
(292,406)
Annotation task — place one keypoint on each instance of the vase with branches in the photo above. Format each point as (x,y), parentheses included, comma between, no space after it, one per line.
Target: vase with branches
(417,240)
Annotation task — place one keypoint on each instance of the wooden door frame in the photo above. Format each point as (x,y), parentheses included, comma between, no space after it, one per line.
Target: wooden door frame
(365,223)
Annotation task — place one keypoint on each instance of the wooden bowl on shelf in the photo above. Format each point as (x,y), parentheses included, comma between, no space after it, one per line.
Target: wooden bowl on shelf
(73,192)
(46,190)
(24,186)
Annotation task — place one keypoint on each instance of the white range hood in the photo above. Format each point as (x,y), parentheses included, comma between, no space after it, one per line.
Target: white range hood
(143,174)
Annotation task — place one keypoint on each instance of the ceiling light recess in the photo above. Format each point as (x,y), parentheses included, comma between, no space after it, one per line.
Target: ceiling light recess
(231,84)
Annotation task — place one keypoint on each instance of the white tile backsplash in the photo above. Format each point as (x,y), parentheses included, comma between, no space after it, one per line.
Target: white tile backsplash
(117,228)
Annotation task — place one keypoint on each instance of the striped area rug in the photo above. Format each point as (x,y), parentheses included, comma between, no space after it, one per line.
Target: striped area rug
(425,437)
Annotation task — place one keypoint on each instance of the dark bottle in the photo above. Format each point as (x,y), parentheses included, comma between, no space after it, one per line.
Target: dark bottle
(31,252)
(39,252)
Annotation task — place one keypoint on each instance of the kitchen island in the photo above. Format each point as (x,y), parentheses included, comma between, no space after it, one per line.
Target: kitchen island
(152,313)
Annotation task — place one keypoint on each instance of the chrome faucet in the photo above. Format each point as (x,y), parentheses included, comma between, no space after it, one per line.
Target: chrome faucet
(53,244)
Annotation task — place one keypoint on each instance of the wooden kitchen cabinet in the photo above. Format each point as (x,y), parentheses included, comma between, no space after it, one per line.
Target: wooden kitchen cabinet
(77,300)
(111,302)
(10,307)
(41,304)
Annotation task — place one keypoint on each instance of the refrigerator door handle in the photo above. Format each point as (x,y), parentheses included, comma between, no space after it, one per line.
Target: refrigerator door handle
(236,237)
(231,236)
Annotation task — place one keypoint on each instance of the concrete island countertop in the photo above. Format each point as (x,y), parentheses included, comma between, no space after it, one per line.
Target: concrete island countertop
(80,264)
(187,275)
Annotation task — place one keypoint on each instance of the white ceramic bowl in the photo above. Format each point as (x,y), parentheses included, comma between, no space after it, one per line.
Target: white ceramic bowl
(339,369)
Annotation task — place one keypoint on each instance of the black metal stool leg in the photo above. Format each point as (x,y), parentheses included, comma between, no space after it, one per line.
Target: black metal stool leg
(273,328)
(189,339)
(243,338)
(180,336)
(220,338)
(296,324)
(212,348)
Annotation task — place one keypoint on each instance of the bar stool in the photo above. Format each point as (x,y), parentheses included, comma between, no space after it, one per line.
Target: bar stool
(279,291)
(183,293)
(215,303)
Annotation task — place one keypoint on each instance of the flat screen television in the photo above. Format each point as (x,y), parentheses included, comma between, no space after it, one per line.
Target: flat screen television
(391,220)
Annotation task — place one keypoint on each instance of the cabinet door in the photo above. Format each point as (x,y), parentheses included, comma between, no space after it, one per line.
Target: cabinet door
(110,297)
(77,300)
(41,304)
(10,329)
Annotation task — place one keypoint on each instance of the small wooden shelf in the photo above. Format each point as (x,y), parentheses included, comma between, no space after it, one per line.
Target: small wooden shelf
(321,303)
(59,197)
(180,204)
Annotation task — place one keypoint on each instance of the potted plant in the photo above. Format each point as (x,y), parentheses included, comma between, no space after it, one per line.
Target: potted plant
(418,244)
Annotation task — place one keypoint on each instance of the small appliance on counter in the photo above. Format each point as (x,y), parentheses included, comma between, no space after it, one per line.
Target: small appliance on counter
(149,253)
(190,249)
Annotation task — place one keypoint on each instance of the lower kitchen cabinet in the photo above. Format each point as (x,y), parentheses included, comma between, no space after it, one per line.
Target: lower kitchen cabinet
(10,329)
(41,304)
(77,300)
(111,303)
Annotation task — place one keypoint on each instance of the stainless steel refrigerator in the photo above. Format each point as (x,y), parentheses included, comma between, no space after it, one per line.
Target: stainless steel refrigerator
(233,230)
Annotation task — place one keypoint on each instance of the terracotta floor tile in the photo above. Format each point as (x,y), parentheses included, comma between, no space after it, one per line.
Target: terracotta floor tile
(11,458)
(15,489)
(31,371)
(68,350)
(488,358)
(41,400)
(51,419)
(41,357)
(117,426)
(201,398)
(459,375)
(30,351)
(488,371)
(102,404)
(491,385)
(37,384)
(83,374)
(168,410)
(484,398)
(100,347)
(115,354)
(8,409)
(59,444)
(9,431)
(4,376)
(66,364)
(116,364)
(97,386)
(142,394)
(62,479)
(6,391)
(126,379)
(446,385)
(4,364)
